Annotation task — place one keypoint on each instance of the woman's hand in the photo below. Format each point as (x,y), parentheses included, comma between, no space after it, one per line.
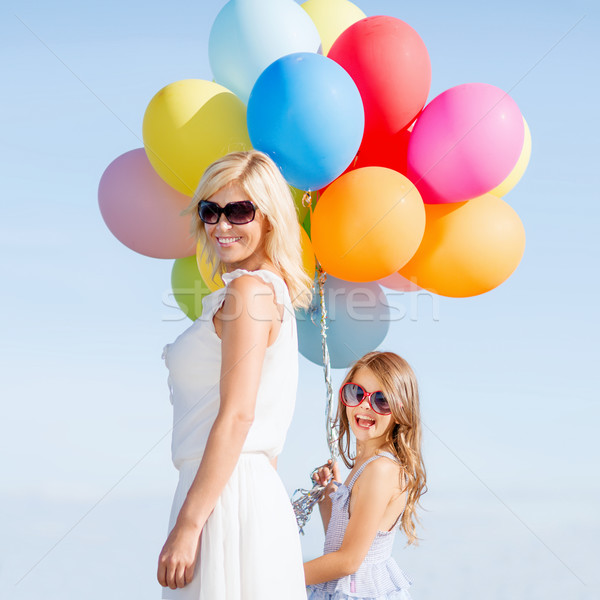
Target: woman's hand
(323,476)
(178,557)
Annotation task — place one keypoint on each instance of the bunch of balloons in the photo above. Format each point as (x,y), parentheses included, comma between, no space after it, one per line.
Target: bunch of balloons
(406,195)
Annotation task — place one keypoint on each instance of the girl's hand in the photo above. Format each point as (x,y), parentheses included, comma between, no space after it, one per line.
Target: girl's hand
(323,476)
(178,556)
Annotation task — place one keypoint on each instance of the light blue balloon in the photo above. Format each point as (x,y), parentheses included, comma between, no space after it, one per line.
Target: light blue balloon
(248,35)
(306,113)
(358,319)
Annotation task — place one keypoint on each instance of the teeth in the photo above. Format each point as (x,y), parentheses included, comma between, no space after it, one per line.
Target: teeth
(228,240)
(365,421)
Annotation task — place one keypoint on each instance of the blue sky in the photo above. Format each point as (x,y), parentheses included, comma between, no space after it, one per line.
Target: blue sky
(508,379)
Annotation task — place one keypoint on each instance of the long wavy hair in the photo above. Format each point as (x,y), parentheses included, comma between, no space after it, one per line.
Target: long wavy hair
(258,177)
(399,384)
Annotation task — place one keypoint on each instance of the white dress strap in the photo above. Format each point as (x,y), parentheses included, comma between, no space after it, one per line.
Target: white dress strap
(213,302)
(279,286)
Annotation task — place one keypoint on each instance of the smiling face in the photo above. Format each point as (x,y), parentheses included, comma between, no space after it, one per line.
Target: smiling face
(368,426)
(237,246)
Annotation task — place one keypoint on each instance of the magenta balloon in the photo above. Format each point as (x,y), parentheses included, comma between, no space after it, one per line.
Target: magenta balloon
(465,143)
(142,211)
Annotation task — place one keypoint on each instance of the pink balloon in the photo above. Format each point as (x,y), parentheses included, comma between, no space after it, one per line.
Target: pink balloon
(465,143)
(395,281)
(142,211)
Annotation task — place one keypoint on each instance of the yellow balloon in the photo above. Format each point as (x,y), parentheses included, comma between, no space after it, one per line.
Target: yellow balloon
(188,125)
(331,18)
(308,255)
(206,270)
(515,175)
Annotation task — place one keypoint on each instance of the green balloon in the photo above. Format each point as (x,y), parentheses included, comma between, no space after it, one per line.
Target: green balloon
(188,286)
(306,224)
(301,210)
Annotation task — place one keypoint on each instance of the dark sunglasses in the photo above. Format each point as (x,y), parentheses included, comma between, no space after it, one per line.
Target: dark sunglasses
(237,213)
(352,394)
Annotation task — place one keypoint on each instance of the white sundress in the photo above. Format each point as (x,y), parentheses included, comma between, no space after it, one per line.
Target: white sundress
(250,548)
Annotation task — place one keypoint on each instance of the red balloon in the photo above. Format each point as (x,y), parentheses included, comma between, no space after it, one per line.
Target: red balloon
(389,64)
(385,151)
(390,152)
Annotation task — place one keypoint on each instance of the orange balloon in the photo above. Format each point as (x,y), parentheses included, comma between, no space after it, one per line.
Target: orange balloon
(469,248)
(367,224)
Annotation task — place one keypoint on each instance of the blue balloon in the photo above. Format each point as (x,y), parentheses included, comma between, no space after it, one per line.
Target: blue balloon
(306,113)
(358,319)
(248,35)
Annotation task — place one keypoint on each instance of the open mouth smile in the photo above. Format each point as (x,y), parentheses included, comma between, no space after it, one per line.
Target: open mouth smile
(364,422)
(227,241)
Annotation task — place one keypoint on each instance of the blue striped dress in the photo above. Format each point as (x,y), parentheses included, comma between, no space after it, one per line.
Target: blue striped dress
(379,577)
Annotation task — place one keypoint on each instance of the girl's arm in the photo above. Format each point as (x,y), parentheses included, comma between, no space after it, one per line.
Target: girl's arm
(322,478)
(325,509)
(247,317)
(371,495)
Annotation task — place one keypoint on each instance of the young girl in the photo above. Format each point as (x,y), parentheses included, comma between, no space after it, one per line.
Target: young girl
(379,403)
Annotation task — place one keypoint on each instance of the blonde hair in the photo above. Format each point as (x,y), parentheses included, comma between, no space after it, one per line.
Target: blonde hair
(258,177)
(399,385)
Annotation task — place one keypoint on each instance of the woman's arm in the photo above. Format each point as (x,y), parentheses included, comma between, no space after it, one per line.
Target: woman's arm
(371,495)
(247,316)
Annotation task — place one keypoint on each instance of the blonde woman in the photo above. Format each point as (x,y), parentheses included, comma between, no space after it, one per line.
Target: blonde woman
(233,377)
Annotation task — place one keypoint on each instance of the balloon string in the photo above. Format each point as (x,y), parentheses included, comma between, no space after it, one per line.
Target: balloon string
(332,431)
(303,501)
(307,201)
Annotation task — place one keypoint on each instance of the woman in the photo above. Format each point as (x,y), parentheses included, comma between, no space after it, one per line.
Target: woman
(233,377)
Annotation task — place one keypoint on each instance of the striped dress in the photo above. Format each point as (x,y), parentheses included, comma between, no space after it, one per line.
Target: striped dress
(379,577)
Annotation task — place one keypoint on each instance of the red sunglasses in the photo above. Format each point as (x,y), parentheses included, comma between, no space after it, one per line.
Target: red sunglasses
(352,395)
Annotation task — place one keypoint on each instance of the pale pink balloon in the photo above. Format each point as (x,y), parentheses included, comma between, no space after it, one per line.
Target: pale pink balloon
(465,143)
(395,281)
(142,211)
